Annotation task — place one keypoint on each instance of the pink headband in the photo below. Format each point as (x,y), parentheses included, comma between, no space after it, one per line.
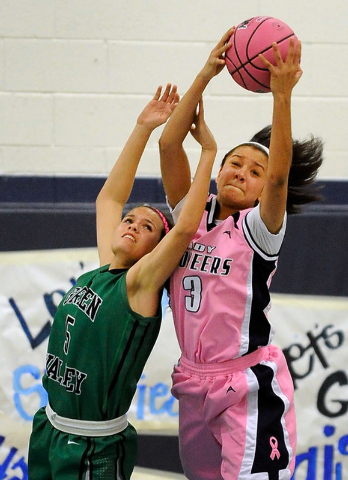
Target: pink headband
(163,218)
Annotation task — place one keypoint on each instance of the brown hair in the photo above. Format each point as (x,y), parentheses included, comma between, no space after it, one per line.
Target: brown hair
(307,157)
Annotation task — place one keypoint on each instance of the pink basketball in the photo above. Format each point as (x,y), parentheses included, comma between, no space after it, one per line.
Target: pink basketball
(250,38)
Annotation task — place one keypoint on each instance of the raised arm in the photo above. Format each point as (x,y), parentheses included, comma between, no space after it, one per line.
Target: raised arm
(146,278)
(284,76)
(175,167)
(117,188)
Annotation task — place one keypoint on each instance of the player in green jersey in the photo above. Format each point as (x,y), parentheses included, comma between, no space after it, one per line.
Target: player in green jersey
(106,325)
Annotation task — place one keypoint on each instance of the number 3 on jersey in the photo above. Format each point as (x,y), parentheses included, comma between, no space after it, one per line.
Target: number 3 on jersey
(69,321)
(194,286)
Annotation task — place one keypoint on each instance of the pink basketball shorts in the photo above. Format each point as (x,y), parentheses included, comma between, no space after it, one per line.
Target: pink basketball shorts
(237,418)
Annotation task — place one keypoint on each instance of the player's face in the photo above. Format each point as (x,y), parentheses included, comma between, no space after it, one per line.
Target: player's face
(138,233)
(241,179)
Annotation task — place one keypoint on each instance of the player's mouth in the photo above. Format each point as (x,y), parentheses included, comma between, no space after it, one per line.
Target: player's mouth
(127,235)
(235,186)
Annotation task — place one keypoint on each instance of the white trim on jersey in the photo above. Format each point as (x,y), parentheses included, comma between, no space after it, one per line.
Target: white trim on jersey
(175,212)
(259,238)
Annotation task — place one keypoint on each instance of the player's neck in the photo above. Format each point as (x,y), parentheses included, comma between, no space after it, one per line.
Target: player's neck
(223,211)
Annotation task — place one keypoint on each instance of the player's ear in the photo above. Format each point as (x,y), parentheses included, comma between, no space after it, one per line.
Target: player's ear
(258,200)
(218,175)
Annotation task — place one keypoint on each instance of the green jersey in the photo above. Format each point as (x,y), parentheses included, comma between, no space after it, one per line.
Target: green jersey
(97,349)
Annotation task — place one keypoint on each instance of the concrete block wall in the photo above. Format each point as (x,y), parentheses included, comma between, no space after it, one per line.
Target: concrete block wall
(74,74)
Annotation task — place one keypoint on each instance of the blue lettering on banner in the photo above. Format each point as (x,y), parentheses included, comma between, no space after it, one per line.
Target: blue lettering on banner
(151,396)
(41,336)
(157,397)
(51,306)
(161,390)
(10,463)
(331,470)
(36,389)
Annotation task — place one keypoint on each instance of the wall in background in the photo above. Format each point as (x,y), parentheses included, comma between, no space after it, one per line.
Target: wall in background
(74,76)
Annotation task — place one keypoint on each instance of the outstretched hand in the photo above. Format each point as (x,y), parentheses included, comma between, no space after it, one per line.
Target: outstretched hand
(284,75)
(159,109)
(216,60)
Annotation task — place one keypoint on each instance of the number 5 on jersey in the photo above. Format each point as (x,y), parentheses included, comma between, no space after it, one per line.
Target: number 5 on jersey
(69,321)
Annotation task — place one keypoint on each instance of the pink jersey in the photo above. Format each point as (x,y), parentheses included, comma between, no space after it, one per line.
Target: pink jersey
(220,290)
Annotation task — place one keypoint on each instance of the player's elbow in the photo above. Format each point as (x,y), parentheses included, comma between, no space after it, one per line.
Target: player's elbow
(186,228)
(164,144)
(100,198)
(167,144)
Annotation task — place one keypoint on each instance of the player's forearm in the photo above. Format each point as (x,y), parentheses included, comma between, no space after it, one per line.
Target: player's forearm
(181,120)
(175,168)
(281,140)
(195,201)
(120,181)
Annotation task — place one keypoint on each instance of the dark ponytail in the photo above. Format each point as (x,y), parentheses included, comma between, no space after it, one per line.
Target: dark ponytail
(307,157)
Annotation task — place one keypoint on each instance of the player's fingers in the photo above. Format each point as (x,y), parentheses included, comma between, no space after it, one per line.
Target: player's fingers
(276,53)
(170,93)
(174,101)
(228,34)
(290,54)
(224,43)
(297,55)
(266,62)
(158,93)
(166,92)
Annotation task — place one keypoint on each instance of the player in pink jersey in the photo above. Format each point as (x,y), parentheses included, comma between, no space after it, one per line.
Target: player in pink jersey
(235,392)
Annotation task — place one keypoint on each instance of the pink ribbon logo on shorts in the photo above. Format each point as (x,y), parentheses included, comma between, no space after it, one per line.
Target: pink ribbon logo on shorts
(274,444)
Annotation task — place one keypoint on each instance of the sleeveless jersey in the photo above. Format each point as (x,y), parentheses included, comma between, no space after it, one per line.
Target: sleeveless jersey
(220,290)
(97,349)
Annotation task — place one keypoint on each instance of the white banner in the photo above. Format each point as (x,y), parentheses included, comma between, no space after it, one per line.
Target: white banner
(312,331)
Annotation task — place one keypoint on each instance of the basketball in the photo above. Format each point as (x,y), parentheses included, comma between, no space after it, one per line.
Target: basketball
(252,37)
